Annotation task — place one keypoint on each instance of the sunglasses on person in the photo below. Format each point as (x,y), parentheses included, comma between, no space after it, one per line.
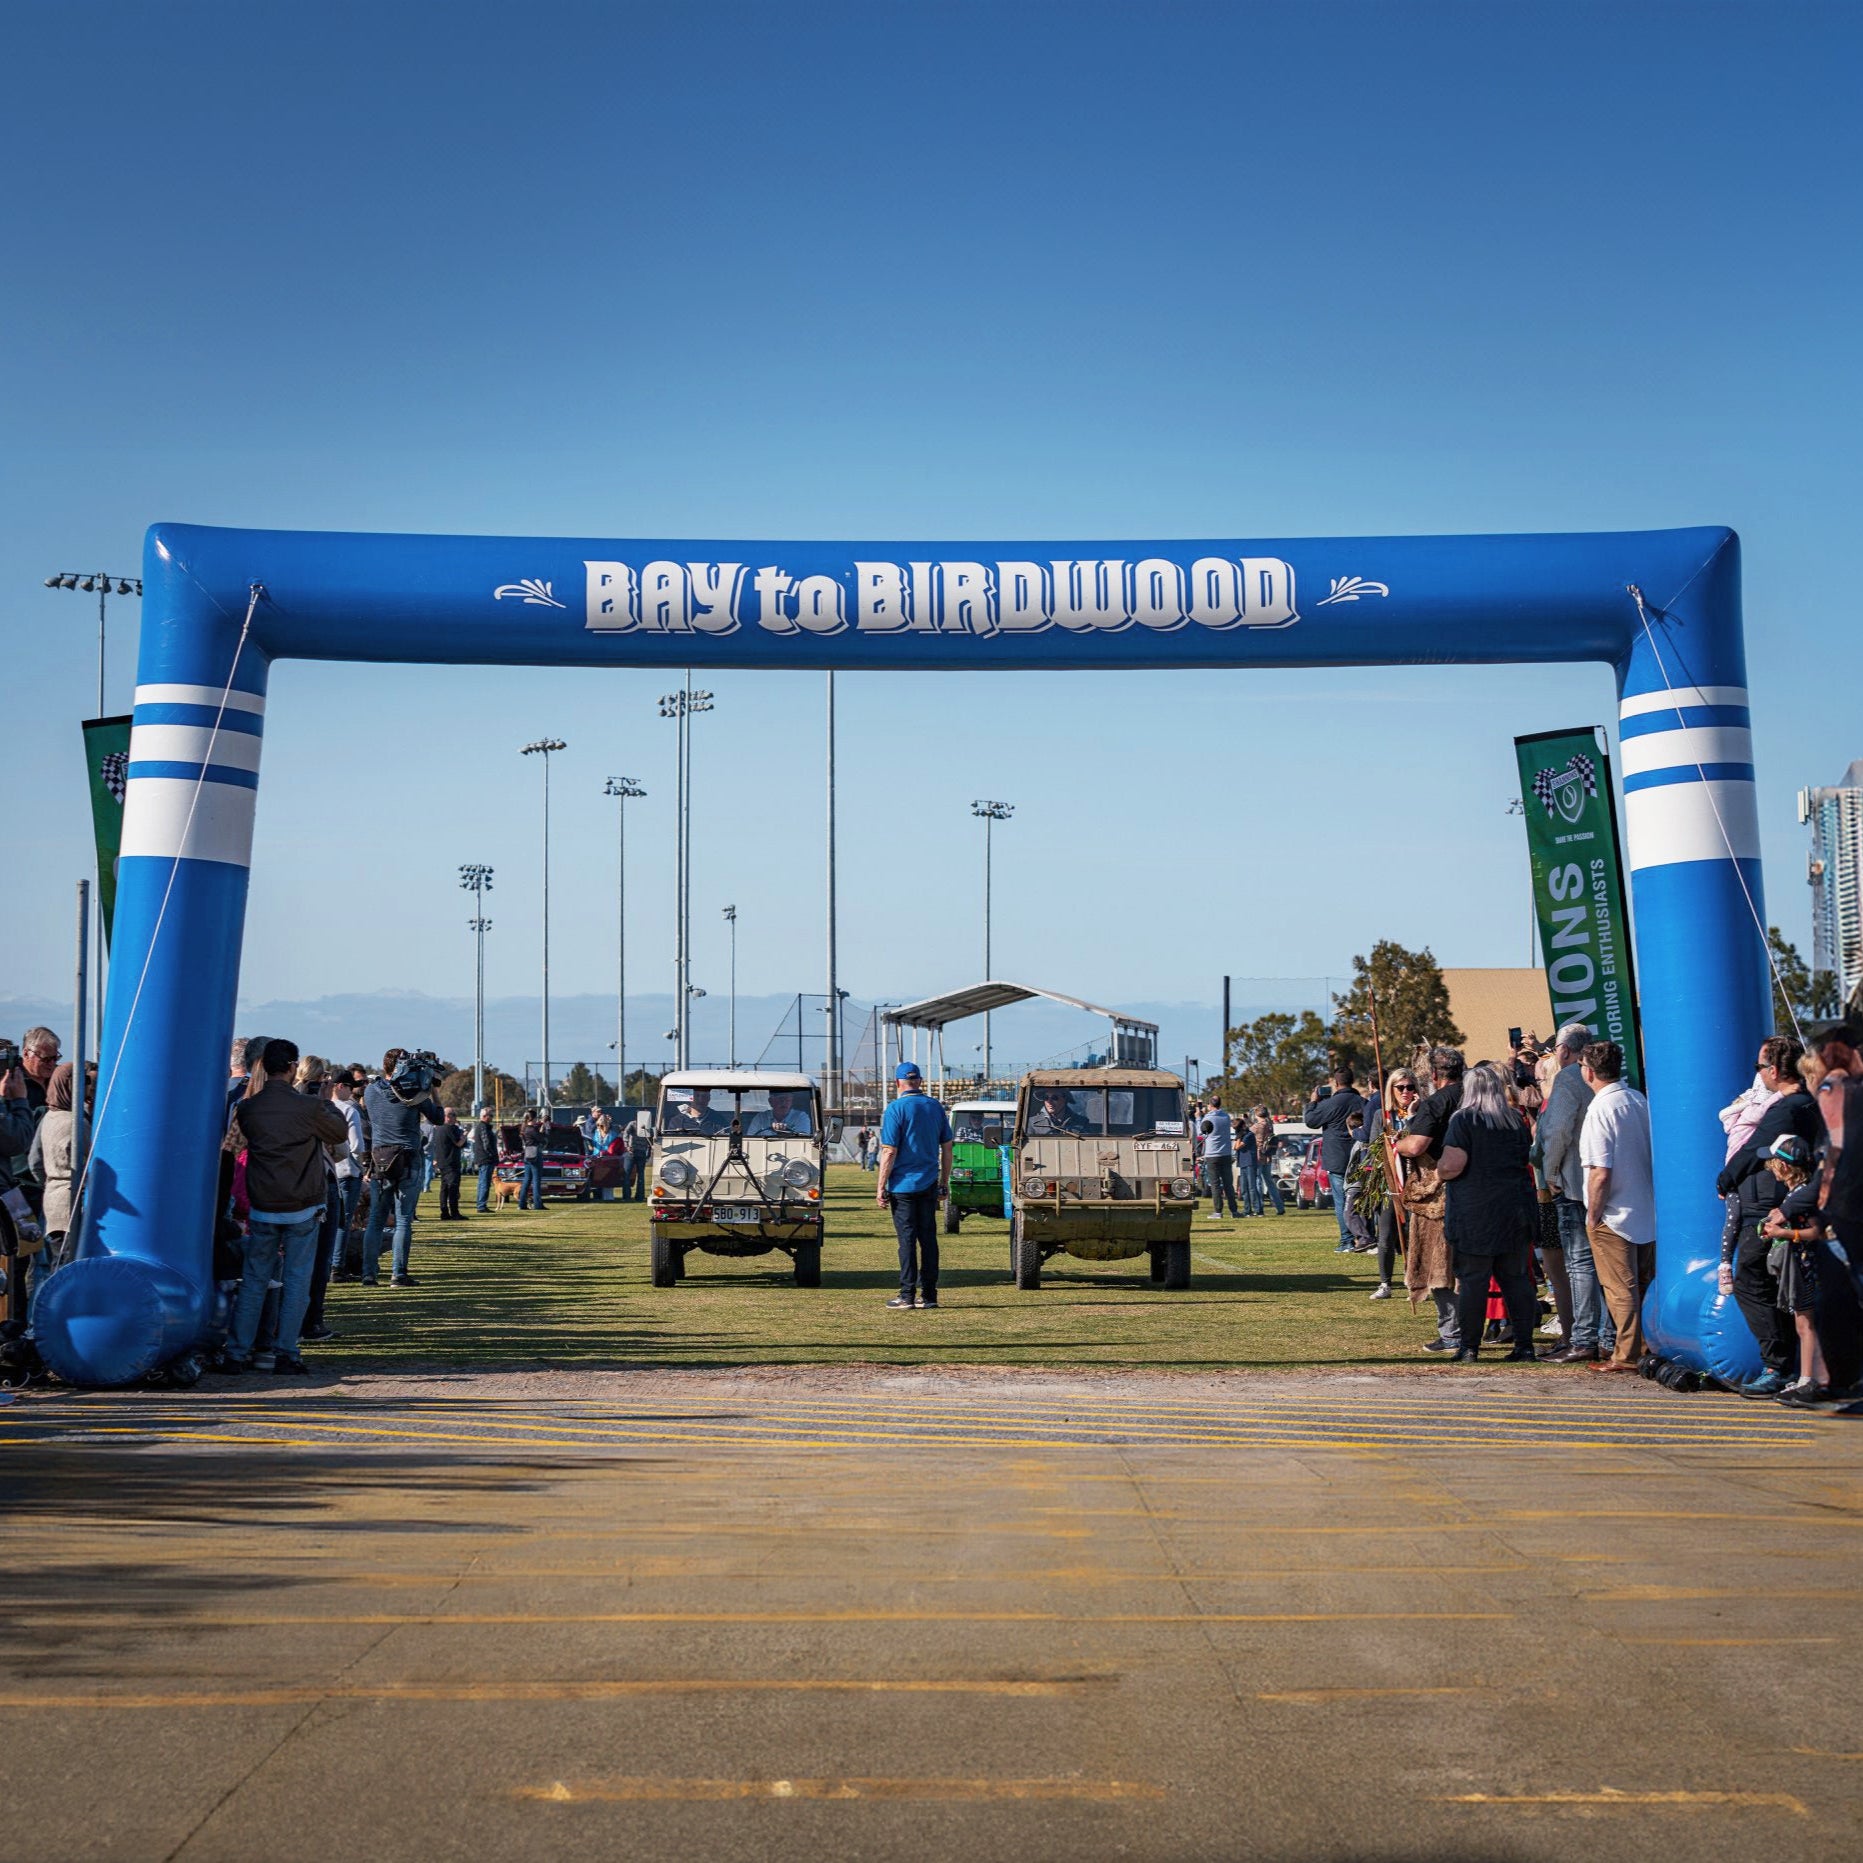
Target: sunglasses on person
(1405,1086)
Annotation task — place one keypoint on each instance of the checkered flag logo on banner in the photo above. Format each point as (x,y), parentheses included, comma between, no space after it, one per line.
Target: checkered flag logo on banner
(1557,786)
(116,773)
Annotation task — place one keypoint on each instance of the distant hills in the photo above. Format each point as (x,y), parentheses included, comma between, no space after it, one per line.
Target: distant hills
(582,1028)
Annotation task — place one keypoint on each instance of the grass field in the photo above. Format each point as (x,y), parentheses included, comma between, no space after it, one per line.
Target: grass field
(569,1288)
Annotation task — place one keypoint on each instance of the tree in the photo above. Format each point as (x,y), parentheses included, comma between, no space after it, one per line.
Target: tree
(1274,1062)
(580,1087)
(642,1088)
(1413,1007)
(500,1090)
(1813,994)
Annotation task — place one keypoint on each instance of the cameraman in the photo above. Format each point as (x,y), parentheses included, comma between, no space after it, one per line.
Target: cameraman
(396,1103)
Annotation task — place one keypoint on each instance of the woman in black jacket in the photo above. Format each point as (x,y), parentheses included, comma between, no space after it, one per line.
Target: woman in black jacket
(1491,1217)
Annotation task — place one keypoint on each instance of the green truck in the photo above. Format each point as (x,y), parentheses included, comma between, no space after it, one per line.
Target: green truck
(981,1131)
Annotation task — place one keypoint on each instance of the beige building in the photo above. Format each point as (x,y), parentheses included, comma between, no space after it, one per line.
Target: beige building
(1487,1003)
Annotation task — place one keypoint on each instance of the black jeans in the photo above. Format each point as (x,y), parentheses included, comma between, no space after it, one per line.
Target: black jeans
(1222,1175)
(915,1222)
(326,1244)
(1514,1274)
(449,1195)
(1756,1293)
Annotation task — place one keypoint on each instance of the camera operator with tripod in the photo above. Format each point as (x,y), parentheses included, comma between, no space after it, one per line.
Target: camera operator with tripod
(396,1103)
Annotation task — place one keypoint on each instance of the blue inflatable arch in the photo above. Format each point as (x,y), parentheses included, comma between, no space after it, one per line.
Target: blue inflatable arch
(221,608)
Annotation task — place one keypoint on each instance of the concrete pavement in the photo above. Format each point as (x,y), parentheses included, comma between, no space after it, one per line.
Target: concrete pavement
(893,1615)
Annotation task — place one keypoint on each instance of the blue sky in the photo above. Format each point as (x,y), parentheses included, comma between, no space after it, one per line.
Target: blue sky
(900,271)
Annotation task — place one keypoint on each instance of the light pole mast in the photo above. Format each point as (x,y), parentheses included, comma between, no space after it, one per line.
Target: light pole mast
(831,1069)
(477,880)
(106,586)
(544,746)
(730,915)
(624,789)
(991,813)
(681,706)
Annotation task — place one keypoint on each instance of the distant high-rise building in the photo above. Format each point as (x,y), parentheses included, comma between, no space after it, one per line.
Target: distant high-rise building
(1835,871)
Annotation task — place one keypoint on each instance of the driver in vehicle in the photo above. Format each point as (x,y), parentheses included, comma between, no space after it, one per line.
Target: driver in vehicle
(696,1114)
(785,1117)
(1055,1115)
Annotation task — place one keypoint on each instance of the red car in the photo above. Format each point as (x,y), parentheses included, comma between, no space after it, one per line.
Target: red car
(1315,1185)
(565,1161)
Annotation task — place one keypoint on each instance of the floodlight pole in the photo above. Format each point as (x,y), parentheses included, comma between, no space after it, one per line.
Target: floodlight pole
(624,789)
(476,879)
(730,915)
(991,813)
(123,585)
(831,1059)
(681,706)
(544,746)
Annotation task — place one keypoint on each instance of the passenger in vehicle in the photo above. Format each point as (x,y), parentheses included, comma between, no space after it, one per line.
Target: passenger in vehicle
(696,1114)
(784,1119)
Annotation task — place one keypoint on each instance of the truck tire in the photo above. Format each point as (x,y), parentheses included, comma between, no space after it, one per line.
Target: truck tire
(1176,1266)
(808,1264)
(1027,1257)
(663,1260)
(1157,1262)
(953,1216)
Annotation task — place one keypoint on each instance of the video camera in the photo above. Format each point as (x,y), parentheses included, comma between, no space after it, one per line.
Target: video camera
(416,1074)
(9,1055)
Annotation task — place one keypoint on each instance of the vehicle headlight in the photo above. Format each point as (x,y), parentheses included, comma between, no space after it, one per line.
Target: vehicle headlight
(678,1173)
(1182,1187)
(799,1174)
(1034,1186)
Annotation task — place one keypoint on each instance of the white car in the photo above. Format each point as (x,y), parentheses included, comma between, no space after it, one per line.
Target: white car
(1289,1153)
(737,1170)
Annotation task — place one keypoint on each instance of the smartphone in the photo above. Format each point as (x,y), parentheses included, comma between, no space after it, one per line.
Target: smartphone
(1513,1038)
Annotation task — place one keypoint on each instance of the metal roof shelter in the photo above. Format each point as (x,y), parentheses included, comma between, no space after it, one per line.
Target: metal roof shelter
(1135,1041)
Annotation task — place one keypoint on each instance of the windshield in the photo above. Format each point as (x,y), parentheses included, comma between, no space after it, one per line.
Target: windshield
(1105,1112)
(995,1125)
(765,1111)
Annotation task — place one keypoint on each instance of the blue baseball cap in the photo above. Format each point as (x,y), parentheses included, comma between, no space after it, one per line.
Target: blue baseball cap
(907,1070)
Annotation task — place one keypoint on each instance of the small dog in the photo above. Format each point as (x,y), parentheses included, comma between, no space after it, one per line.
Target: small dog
(503,1194)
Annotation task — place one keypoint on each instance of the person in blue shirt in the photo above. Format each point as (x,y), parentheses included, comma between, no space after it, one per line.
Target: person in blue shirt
(915,1176)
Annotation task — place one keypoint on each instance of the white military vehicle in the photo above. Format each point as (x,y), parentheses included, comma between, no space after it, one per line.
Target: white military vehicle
(737,1170)
(1104,1170)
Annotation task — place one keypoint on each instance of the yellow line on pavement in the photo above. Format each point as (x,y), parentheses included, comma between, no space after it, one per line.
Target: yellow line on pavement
(943,1791)
(1608,1798)
(1266,1436)
(1680,1594)
(693,1571)
(540,1691)
(241,1620)
(1318,1697)
(1720,1643)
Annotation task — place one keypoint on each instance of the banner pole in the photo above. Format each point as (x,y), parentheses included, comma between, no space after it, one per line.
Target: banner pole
(80,1134)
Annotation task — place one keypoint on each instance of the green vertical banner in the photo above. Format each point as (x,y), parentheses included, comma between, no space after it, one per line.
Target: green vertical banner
(1578,885)
(106,755)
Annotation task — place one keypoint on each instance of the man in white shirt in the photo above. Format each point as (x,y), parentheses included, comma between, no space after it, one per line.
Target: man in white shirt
(1620,1197)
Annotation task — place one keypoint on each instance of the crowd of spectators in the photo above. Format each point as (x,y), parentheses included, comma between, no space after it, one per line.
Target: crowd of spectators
(1492,1182)
(1485,1183)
